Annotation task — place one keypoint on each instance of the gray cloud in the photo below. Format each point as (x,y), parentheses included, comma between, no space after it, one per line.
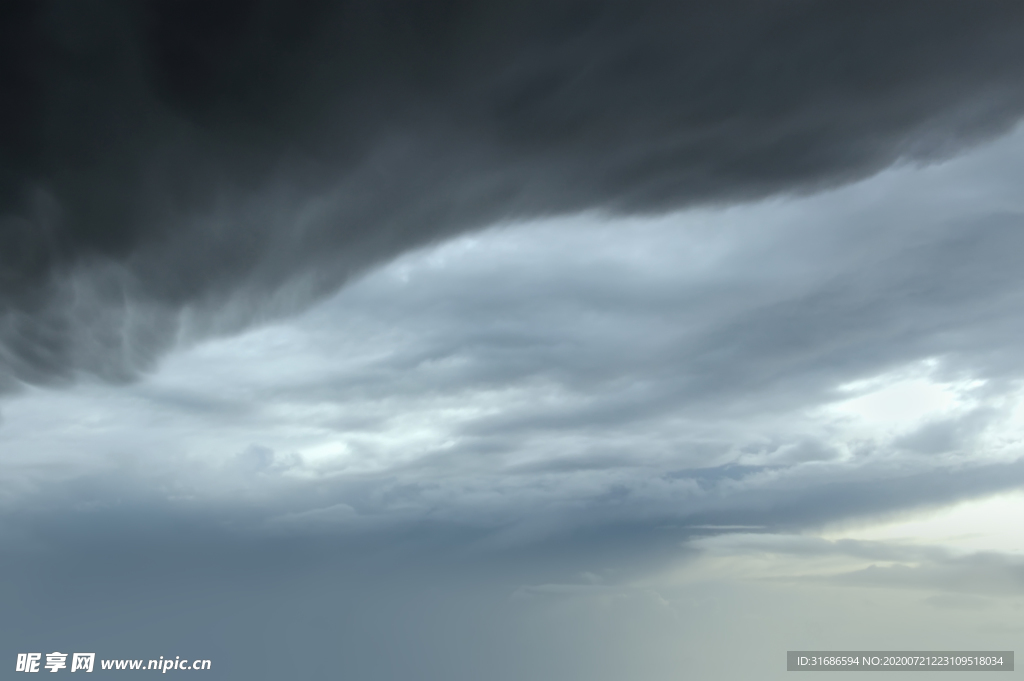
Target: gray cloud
(558,449)
(536,381)
(985,574)
(957,579)
(173,170)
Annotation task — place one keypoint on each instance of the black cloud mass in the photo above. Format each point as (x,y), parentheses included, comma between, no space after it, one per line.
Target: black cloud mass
(171,170)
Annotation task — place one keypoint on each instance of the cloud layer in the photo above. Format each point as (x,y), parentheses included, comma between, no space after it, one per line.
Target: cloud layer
(780,365)
(172,170)
(383,351)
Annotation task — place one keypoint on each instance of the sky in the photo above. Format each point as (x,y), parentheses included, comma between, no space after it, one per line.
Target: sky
(563,340)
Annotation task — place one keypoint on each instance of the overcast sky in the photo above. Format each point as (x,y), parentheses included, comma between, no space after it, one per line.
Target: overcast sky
(461,341)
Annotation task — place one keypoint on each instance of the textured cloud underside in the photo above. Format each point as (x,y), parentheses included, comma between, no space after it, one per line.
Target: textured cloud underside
(172,170)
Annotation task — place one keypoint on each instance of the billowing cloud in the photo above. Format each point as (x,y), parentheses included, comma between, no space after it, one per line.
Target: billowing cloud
(782,365)
(172,170)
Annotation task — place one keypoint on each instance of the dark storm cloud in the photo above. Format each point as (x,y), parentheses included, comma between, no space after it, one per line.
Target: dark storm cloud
(577,373)
(175,169)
